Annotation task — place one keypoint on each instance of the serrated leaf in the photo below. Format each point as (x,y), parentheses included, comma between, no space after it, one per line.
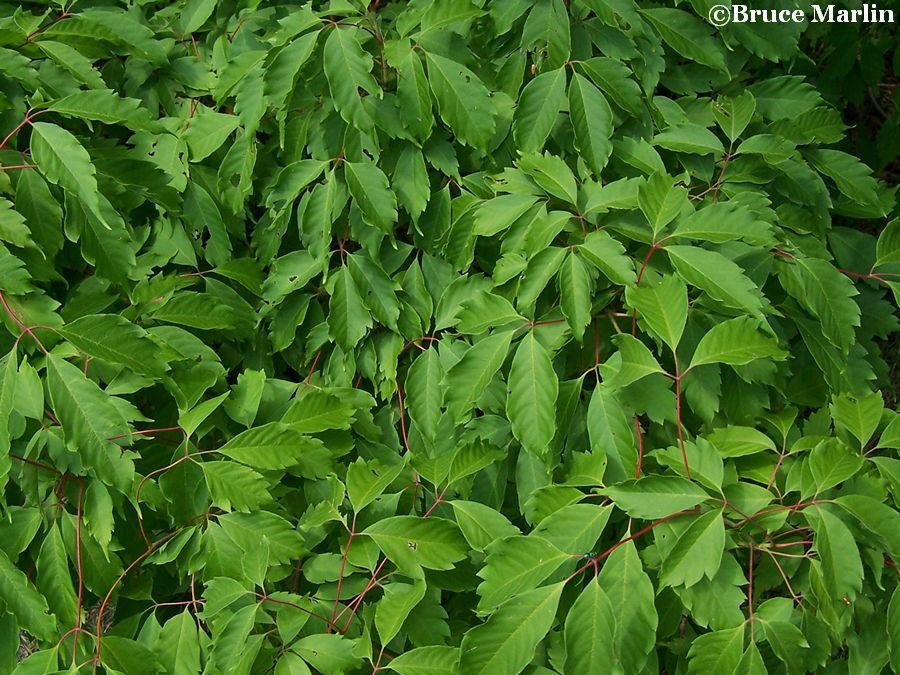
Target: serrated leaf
(507,640)
(64,162)
(593,123)
(656,496)
(576,289)
(463,101)
(539,105)
(589,646)
(272,446)
(89,418)
(697,553)
(531,395)
(715,274)
(348,70)
(826,294)
(348,318)
(410,542)
(372,193)
(467,379)
(662,309)
(736,342)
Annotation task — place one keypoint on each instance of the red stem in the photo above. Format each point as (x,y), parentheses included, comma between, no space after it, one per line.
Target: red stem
(12,315)
(340,583)
(640,533)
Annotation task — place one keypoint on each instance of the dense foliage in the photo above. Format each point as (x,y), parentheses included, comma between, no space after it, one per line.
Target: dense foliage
(449,336)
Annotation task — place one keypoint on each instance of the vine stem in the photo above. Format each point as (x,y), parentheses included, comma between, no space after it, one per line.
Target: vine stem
(750,593)
(105,602)
(594,560)
(12,314)
(79,570)
(679,426)
(340,583)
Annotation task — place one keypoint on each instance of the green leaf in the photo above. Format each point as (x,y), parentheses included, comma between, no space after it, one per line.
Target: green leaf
(689,138)
(724,221)
(736,342)
(697,553)
(531,395)
(738,441)
(717,652)
(589,644)
(367,480)
(539,105)
(552,174)
(112,337)
(608,255)
(576,289)
(831,462)
(395,606)
(662,309)
(24,602)
(89,418)
(716,275)
(661,201)
(734,113)
(201,211)
(413,94)
(371,192)
(8,378)
(497,214)
(271,446)
(233,486)
(656,496)
(468,378)
(612,432)
(53,579)
(614,78)
(425,393)
(516,565)
(463,101)
(63,161)
(592,121)
(875,517)
(506,642)
(348,318)
(636,362)
(687,35)
(104,105)
(432,660)
(481,525)
(410,542)
(630,593)
(834,544)
(348,69)
(858,415)
(179,647)
(328,653)
(852,177)
(826,294)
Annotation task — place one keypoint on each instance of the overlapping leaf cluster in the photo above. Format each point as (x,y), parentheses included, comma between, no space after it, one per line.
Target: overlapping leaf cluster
(449,336)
